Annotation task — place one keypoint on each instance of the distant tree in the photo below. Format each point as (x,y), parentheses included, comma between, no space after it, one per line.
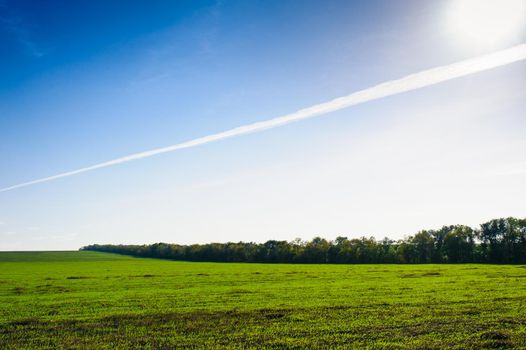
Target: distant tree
(406,251)
(498,241)
(502,240)
(459,244)
(316,251)
(439,236)
(387,251)
(424,247)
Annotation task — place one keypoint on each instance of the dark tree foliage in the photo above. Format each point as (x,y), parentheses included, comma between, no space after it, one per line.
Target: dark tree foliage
(501,241)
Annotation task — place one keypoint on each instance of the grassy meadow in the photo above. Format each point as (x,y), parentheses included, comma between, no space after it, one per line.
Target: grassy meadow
(105,301)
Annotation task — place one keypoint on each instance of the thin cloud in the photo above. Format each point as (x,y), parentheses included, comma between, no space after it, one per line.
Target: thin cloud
(389,88)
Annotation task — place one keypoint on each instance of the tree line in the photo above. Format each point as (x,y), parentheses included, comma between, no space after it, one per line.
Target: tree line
(499,241)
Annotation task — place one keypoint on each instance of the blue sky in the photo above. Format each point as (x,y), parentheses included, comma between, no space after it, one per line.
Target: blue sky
(84,82)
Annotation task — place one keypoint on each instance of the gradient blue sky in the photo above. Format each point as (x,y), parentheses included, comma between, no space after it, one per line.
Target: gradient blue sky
(83,82)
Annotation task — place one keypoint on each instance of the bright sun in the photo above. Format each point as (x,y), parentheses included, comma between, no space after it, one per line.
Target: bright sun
(487,22)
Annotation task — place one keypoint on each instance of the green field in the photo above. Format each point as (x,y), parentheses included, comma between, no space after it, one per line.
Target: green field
(97,300)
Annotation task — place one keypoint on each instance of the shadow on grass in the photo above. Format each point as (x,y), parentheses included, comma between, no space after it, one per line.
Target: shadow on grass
(317,328)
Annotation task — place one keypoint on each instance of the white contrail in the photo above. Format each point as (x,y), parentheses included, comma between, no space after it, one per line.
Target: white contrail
(408,83)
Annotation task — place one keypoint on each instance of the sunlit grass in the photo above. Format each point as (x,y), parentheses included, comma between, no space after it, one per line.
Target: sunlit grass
(97,300)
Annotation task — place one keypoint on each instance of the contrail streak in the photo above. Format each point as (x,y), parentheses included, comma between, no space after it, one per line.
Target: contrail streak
(393,87)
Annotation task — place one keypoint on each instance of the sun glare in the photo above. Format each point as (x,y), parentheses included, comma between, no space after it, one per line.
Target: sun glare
(487,22)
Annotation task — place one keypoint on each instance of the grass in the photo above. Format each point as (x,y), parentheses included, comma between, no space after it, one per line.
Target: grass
(98,300)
